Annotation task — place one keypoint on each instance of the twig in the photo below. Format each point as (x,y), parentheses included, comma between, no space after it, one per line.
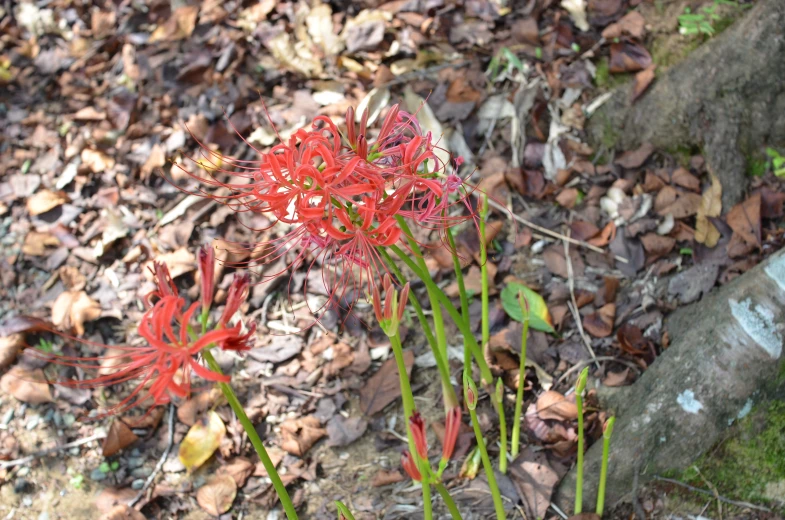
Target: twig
(545,231)
(721,498)
(585,362)
(161,461)
(574,306)
(39,454)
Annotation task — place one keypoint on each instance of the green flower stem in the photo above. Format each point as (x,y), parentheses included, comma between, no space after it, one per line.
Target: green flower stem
(486,464)
(579,387)
(486,324)
(427,505)
(516,425)
(448,501)
(248,426)
(606,444)
(450,399)
(467,355)
(468,335)
(343,510)
(441,362)
(406,389)
(502,426)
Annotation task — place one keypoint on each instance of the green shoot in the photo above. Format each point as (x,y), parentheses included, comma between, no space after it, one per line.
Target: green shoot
(580,386)
(516,425)
(606,443)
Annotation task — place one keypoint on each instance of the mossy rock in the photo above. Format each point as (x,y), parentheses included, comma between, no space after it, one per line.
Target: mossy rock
(749,464)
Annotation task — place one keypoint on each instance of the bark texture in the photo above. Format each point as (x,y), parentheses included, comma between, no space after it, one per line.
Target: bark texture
(726,354)
(727,97)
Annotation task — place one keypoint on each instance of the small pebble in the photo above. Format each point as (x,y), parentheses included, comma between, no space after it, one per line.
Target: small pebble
(58,417)
(49,414)
(33,422)
(21,486)
(74,451)
(23,472)
(97,475)
(69,419)
(135,462)
(7,417)
(141,472)
(137,484)
(44,516)
(27,501)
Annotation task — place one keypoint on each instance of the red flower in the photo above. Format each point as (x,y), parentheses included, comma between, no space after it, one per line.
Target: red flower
(207,273)
(452,426)
(163,281)
(417,427)
(410,466)
(238,292)
(161,368)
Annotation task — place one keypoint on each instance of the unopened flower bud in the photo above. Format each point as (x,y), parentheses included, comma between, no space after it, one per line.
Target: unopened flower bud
(452,426)
(238,292)
(403,298)
(417,427)
(407,461)
(207,273)
(580,385)
(377,304)
(607,428)
(469,392)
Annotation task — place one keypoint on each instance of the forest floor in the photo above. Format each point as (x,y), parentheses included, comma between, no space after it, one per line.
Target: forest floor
(104,106)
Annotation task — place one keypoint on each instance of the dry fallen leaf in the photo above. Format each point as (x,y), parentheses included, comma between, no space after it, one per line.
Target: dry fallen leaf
(202,440)
(553,405)
(299,435)
(36,243)
(155,160)
(534,479)
(382,388)
(179,26)
(179,262)
(239,468)
(110,497)
(216,497)
(343,431)
(72,278)
(26,385)
(188,411)
(627,56)
(681,204)
(9,347)
(96,161)
(119,437)
(45,200)
(744,220)
(123,512)
(600,324)
(642,81)
(72,309)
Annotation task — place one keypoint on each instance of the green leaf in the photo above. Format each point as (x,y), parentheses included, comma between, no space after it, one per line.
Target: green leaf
(780,173)
(104,467)
(771,152)
(539,316)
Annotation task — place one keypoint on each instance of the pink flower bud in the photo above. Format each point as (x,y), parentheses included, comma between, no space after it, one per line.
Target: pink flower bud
(417,426)
(238,292)
(207,272)
(377,304)
(403,299)
(407,461)
(452,426)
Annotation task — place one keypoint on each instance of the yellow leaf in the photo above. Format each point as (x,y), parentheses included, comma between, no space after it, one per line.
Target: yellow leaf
(711,206)
(202,440)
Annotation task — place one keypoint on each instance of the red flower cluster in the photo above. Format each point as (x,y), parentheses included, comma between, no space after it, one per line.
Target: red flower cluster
(161,368)
(341,196)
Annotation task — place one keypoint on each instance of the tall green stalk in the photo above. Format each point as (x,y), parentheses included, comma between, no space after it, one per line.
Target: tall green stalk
(502,426)
(470,397)
(580,386)
(606,445)
(406,389)
(456,262)
(448,501)
(450,399)
(248,426)
(468,335)
(516,425)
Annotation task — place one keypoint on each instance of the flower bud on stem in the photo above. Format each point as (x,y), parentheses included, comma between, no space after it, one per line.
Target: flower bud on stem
(470,395)
(580,386)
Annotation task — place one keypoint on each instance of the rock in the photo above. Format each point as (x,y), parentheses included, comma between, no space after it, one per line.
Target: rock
(97,475)
(726,353)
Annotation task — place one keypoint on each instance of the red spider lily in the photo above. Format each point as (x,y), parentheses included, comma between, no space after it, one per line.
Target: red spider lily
(161,368)
(417,427)
(341,198)
(410,466)
(452,426)
(163,281)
